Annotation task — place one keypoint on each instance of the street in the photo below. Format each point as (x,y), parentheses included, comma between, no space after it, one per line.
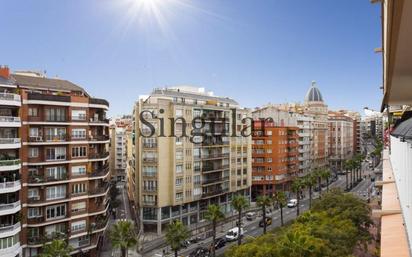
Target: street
(252,228)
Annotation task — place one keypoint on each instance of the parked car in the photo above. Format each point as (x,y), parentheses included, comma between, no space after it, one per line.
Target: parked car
(219,243)
(199,252)
(292,203)
(251,215)
(268,222)
(186,243)
(195,239)
(232,234)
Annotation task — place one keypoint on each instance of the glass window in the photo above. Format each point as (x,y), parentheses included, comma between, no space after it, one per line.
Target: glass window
(79,151)
(58,153)
(78,114)
(55,114)
(78,133)
(56,192)
(78,170)
(55,211)
(78,225)
(33,112)
(33,152)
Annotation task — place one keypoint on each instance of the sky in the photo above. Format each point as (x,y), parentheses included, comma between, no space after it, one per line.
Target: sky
(256,52)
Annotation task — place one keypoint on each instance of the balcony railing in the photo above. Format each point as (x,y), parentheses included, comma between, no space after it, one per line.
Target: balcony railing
(99,190)
(9,206)
(100,172)
(9,140)
(99,138)
(44,97)
(10,97)
(10,184)
(9,162)
(98,101)
(98,155)
(9,228)
(214,192)
(10,119)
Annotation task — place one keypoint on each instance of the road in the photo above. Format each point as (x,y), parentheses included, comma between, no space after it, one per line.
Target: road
(252,228)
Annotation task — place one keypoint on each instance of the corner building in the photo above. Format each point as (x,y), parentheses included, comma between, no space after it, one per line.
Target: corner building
(178,179)
(65,172)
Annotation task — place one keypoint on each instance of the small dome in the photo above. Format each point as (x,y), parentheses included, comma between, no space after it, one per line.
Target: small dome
(313,94)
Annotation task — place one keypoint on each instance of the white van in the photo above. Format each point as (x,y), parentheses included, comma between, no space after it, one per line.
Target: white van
(292,203)
(232,234)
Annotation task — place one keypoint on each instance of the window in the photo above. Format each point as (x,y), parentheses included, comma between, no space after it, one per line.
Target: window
(33,193)
(78,170)
(34,132)
(179,154)
(58,153)
(79,151)
(55,211)
(78,207)
(55,114)
(33,152)
(55,134)
(33,213)
(149,171)
(78,133)
(58,172)
(179,168)
(78,114)
(79,188)
(179,181)
(78,226)
(56,192)
(33,112)
(179,196)
(8,242)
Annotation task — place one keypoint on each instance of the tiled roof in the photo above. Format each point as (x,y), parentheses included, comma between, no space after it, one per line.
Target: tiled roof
(45,83)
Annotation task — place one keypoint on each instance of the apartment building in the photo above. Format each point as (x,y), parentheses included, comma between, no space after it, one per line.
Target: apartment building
(10,167)
(396,212)
(178,176)
(274,158)
(315,107)
(63,142)
(341,139)
(118,158)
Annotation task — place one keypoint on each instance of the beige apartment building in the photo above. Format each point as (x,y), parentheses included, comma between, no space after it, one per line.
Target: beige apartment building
(341,139)
(118,141)
(178,176)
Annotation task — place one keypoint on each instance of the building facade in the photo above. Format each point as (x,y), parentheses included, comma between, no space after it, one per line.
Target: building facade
(63,142)
(341,139)
(10,167)
(118,153)
(274,158)
(178,176)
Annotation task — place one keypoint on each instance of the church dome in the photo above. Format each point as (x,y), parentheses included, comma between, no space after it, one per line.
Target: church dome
(313,94)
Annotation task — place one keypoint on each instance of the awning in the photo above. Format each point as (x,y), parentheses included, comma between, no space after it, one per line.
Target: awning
(403,130)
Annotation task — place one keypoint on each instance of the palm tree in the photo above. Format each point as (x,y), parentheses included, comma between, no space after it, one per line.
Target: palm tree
(347,167)
(325,174)
(57,248)
(263,201)
(123,236)
(239,203)
(309,181)
(317,174)
(214,214)
(280,199)
(297,186)
(176,234)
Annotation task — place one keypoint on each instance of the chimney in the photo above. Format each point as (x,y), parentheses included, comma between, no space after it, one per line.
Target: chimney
(4,71)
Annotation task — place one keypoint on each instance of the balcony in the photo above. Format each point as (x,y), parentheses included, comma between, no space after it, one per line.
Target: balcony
(14,250)
(10,186)
(40,240)
(10,121)
(99,191)
(213,180)
(99,138)
(45,97)
(6,165)
(97,101)
(10,143)
(211,168)
(10,99)
(100,173)
(97,156)
(150,159)
(9,208)
(7,230)
(214,193)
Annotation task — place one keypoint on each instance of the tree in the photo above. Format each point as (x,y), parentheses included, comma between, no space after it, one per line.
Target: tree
(176,234)
(298,242)
(317,174)
(309,181)
(57,248)
(280,199)
(297,186)
(348,166)
(214,215)
(325,174)
(263,201)
(239,203)
(123,236)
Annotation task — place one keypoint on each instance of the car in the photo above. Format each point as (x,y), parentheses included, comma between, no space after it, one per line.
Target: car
(219,243)
(195,239)
(185,243)
(251,215)
(199,252)
(292,203)
(232,234)
(268,222)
